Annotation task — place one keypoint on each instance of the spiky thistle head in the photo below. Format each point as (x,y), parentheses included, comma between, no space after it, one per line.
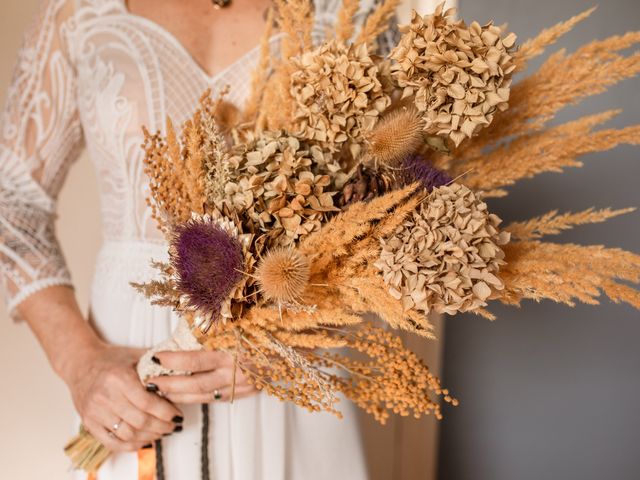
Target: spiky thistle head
(208,261)
(283,275)
(396,136)
(417,169)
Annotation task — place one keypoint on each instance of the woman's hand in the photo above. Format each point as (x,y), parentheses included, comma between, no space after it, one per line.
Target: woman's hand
(211,377)
(102,378)
(107,392)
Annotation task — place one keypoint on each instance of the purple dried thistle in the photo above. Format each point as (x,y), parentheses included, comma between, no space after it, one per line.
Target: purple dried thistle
(417,169)
(209,263)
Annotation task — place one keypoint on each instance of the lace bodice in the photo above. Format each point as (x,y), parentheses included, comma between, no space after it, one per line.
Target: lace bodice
(90,74)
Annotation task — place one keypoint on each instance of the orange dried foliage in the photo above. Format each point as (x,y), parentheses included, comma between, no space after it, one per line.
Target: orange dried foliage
(536,46)
(377,22)
(551,223)
(260,75)
(345,27)
(567,273)
(561,81)
(551,150)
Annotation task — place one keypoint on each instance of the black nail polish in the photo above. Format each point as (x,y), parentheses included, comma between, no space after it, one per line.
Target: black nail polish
(148,445)
(177,419)
(155,360)
(152,387)
(178,428)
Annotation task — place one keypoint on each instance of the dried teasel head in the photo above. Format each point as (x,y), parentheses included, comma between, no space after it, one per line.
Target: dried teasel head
(208,261)
(283,275)
(397,135)
(226,115)
(458,75)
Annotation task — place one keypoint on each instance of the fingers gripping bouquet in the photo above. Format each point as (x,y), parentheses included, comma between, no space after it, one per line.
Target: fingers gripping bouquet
(354,183)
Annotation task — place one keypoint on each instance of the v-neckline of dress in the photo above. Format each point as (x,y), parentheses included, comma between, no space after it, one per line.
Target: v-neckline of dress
(182,50)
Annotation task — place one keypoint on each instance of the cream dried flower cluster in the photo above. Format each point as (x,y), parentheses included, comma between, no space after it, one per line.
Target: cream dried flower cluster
(282,187)
(459,75)
(446,256)
(337,94)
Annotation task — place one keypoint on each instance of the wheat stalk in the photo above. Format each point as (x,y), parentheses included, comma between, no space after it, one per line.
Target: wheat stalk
(551,223)
(345,26)
(536,46)
(377,22)
(260,74)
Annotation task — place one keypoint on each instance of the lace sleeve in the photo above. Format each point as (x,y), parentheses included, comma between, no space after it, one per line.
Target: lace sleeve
(40,137)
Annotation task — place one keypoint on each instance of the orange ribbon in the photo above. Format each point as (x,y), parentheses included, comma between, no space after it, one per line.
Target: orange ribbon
(146,465)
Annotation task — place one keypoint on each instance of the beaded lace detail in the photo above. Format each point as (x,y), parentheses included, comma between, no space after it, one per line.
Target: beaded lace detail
(90,74)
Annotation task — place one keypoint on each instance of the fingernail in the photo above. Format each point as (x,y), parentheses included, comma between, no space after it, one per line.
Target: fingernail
(177,419)
(155,360)
(148,445)
(178,428)
(152,387)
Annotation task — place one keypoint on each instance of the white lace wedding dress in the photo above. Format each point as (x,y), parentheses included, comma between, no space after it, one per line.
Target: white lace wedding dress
(90,74)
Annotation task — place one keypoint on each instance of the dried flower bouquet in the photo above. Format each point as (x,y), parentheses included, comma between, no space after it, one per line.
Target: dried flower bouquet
(353,183)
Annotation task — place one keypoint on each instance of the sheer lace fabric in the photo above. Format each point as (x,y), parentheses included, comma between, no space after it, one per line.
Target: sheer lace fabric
(40,137)
(91,74)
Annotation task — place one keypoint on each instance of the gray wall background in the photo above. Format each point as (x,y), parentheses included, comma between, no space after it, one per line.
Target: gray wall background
(549,392)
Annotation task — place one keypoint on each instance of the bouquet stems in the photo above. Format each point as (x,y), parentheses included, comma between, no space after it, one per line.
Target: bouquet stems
(85,452)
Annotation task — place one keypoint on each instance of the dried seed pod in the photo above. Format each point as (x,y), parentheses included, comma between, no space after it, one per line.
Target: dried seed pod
(396,136)
(365,185)
(459,75)
(283,275)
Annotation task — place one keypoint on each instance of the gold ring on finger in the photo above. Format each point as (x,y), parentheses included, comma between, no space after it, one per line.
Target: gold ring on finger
(114,429)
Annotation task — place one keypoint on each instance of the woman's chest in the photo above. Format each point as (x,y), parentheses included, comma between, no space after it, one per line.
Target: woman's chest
(214,37)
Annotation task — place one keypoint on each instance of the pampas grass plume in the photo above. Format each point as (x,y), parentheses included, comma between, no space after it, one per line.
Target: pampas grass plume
(283,275)
(397,135)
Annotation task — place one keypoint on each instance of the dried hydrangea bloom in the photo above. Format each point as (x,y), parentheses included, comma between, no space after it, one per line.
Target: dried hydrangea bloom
(282,187)
(447,255)
(460,75)
(337,94)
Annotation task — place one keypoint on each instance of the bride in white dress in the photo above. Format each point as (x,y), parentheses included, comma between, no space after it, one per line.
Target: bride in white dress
(89,75)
